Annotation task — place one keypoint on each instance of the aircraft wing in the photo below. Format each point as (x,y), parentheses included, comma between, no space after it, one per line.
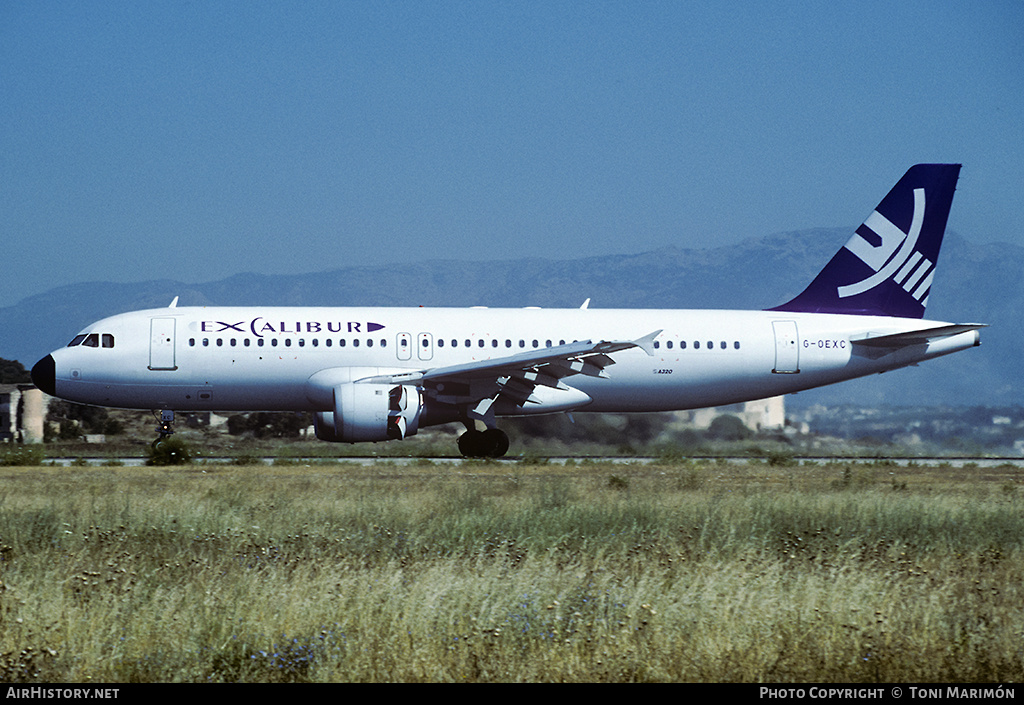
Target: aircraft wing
(516,377)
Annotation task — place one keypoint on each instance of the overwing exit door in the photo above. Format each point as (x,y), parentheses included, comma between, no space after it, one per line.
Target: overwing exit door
(425,346)
(404,346)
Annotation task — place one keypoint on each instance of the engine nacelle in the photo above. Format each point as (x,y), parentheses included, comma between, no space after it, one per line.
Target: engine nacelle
(370,412)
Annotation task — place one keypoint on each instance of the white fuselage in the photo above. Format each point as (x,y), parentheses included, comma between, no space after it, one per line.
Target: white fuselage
(262,358)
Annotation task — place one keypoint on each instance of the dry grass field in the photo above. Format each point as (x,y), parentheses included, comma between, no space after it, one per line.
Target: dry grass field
(686,571)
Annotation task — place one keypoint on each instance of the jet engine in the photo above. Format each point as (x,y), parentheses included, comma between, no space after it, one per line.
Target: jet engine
(370,412)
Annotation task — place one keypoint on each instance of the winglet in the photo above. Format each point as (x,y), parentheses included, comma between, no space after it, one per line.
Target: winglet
(647,342)
(174,304)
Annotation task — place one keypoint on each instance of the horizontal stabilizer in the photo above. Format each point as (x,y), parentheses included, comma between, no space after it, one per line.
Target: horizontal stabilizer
(918,337)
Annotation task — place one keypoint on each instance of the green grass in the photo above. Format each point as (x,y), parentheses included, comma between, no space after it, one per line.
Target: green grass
(511,572)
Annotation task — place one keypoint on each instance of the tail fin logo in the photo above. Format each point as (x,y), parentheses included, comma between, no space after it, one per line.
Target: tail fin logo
(894,256)
(886,268)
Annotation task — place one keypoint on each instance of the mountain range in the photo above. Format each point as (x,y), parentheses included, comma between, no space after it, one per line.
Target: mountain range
(974,283)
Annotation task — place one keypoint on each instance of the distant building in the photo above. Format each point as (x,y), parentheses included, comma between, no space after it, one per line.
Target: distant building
(760,415)
(22,413)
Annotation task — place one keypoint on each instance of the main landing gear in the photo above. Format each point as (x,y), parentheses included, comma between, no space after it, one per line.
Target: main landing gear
(492,443)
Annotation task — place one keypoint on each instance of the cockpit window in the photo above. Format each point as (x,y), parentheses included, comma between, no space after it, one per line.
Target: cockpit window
(93,340)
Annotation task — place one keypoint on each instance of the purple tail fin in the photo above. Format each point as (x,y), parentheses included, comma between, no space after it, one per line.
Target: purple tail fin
(886,268)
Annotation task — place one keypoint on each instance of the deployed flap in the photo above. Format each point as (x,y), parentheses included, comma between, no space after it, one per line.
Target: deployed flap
(517,376)
(917,337)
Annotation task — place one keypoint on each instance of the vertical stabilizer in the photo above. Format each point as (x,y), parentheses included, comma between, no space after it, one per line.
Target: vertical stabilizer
(886,268)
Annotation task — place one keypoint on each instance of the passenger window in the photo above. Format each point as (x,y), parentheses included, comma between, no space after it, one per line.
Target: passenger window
(668,345)
(736,345)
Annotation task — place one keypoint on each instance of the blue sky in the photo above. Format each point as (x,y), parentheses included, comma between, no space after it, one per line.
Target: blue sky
(195,140)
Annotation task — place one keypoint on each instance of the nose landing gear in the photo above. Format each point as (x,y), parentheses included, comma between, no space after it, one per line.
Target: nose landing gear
(164,428)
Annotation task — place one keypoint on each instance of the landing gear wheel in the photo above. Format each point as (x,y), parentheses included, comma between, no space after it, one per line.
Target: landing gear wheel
(496,442)
(492,443)
(468,443)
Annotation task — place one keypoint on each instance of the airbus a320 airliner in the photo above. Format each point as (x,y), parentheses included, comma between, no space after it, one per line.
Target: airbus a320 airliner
(379,374)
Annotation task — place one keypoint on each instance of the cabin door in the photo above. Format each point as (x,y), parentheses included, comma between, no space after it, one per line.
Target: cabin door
(787,348)
(161,344)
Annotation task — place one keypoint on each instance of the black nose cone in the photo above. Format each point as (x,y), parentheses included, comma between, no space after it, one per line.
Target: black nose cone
(44,375)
